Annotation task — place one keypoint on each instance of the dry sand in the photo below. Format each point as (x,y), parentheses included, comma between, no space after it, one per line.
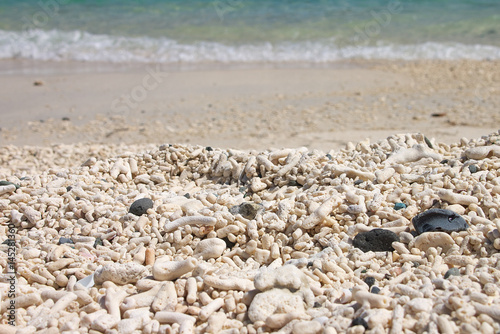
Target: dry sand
(243,236)
(320,108)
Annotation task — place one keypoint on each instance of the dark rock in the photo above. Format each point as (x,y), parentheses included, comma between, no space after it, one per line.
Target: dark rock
(317,304)
(359,321)
(68,188)
(452,272)
(399,206)
(66,119)
(439,220)
(247,210)
(98,242)
(358,182)
(208,148)
(375,290)
(428,142)
(63,240)
(377,240)
(141,206)
(7,183)
(438,114)
(229,244)
(473,169)
(369,280)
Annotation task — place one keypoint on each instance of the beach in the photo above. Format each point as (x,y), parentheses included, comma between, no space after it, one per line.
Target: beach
(319,167)
(191,210)
(247,106)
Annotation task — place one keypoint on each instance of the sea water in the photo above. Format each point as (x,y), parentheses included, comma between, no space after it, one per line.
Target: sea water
(248,31)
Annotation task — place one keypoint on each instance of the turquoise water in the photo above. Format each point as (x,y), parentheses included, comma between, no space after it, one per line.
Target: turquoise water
(248,30)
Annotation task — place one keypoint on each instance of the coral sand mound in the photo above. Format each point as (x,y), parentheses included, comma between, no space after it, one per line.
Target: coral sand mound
(247,241)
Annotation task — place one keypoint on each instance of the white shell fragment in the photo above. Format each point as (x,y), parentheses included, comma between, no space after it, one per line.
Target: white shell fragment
(434,239)
(210,248)
(125,273)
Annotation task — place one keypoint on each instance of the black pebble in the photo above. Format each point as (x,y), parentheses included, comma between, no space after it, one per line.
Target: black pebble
(359,321)
(377,240)
(77,198)
(439,220)
(370,280)
(141,206)
(68,188)
(452,272)
(208,148)
(63,240)
(358,182)
(473,169)
(375,290)
(317,304)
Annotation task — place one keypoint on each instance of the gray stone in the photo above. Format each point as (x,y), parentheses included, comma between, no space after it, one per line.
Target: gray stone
(441,220)
(141,206)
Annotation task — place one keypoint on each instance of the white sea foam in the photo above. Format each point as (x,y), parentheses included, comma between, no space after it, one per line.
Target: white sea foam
(78,45)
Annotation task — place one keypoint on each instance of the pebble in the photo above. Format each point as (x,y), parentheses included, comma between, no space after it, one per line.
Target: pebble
(210,248)
(376,240)
(307,327)
(359,321)
(369,280)
(434,239)
(7,183)
(118,273)
(439,220)
(274,301)
(399,206)
(452,272)
(247,210)
(473,169)
(63,240)
(141,206)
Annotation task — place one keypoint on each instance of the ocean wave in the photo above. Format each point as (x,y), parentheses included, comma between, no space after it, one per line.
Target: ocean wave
(82,46)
